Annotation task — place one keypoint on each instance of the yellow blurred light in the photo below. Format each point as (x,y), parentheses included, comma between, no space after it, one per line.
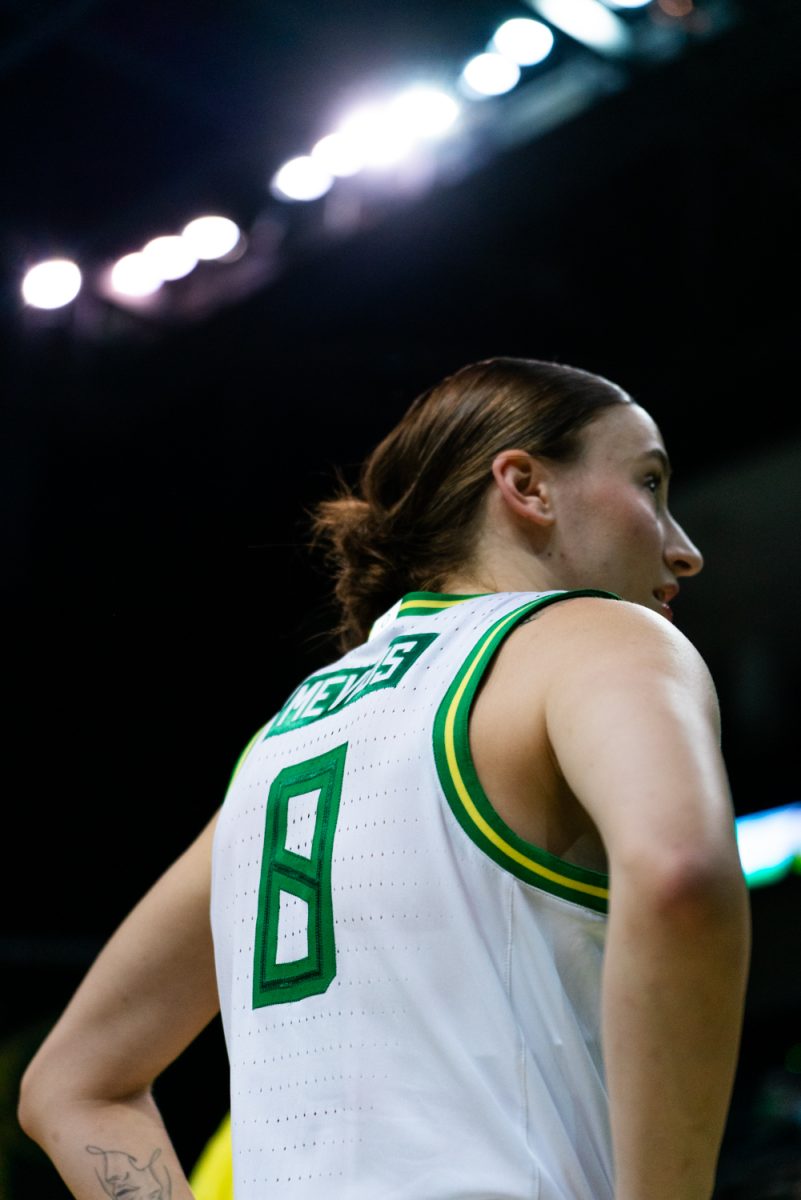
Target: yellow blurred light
(676,8)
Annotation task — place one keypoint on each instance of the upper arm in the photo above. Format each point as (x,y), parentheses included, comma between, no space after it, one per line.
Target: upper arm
(632,720)
(149,993)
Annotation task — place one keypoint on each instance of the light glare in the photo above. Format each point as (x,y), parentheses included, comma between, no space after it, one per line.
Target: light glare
(524,41)
(587,21)
(302,178)
(51,284)
(379,135)
(134,275)
(170,257)
(769,841)
(425,112)
(339,154)
(491,74)
(627,3)
(211,237)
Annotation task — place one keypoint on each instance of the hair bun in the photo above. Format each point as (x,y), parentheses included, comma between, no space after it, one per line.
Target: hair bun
(365,553)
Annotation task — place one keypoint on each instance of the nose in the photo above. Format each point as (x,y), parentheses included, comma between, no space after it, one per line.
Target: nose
(682,555)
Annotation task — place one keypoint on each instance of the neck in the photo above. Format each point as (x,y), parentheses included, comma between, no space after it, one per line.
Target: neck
(503,571)
(508,556)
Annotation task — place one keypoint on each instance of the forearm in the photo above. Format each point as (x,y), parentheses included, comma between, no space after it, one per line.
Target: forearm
(674,982)
(86,1096)
(109,1148)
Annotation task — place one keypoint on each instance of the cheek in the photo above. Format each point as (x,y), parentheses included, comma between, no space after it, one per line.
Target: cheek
(630,517)
(609,502)
(642,520)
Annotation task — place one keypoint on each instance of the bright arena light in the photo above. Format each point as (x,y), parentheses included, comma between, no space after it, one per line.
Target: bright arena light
(170,257)
(339,155)
(425,112)
(211,237)
(303,178)
(490,75)
(587,21)
(627,3)
(380,135)
(524,41)
(135,276)
(51,284)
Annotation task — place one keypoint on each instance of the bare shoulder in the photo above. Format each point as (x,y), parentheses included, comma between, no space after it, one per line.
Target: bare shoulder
(588,637)
(589,642)
(632,721)
(599,700)
(598,618)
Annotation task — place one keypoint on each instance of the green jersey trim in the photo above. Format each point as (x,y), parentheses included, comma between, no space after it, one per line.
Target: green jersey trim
(423,604)
(240,762)
(468,800)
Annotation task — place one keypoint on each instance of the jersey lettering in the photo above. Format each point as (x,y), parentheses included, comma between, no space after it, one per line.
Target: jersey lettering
(325,693)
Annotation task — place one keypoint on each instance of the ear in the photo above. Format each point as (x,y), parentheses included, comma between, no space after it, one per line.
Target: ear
(524,483)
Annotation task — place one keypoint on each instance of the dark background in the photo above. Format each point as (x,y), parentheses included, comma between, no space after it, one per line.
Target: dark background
(158,599)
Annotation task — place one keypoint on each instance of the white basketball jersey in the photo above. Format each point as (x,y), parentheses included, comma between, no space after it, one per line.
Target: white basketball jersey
(409,990)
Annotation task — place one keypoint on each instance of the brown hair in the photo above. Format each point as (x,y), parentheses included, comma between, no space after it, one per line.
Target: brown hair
(412,518)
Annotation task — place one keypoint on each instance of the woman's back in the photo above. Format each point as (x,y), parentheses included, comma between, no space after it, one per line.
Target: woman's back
(420,1016)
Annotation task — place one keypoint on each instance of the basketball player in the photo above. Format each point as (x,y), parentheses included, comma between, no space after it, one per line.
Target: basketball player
(479,925)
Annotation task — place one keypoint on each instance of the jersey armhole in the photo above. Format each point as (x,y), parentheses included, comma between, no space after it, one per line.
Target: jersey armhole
(466,797)
(240,762)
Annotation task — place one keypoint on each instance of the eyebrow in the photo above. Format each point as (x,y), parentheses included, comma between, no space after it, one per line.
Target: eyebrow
(661,457)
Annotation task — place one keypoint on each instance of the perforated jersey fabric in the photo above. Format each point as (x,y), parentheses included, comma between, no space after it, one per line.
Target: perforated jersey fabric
(409,991)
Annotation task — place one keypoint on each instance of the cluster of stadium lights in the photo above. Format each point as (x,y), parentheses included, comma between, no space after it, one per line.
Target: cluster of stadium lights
(373,138)
(57,282)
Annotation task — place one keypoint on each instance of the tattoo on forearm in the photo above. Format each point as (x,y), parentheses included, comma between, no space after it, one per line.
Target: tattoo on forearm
(123,1178)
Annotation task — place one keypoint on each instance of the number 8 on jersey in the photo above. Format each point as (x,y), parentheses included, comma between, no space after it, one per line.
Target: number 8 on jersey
(295,882)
